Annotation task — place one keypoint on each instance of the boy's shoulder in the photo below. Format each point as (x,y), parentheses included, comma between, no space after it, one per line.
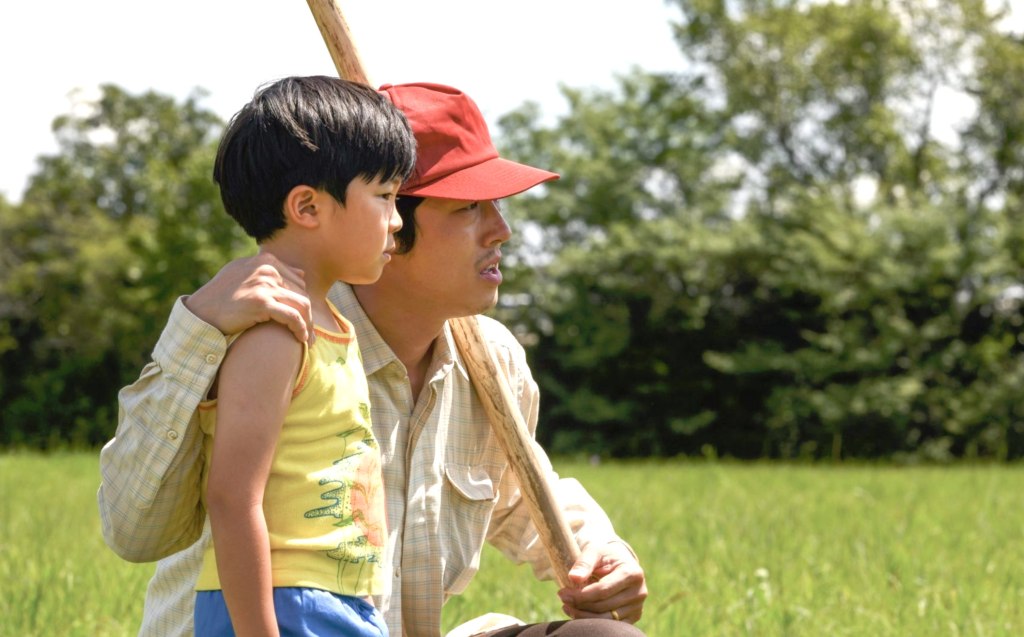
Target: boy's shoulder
(268,341)
(270,331)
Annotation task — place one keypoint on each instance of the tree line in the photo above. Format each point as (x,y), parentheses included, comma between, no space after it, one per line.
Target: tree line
(791,247)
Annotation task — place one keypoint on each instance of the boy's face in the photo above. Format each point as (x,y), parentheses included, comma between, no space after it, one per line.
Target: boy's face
(452,269)
(360,232)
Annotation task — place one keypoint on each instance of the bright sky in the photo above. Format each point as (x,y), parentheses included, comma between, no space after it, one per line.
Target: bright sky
(500,54)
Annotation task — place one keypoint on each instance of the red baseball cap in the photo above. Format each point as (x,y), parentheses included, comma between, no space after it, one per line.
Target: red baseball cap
(455,157)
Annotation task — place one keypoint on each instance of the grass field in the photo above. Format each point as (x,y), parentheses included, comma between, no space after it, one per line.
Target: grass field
(729,549)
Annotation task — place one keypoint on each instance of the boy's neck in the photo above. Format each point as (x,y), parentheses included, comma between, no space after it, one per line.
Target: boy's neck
(316,289)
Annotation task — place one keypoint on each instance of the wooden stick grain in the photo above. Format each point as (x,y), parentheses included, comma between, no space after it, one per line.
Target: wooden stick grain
(514,438)
(338,39)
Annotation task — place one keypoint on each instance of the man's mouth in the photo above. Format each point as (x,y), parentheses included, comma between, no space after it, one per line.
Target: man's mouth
(491,263)
(491,269)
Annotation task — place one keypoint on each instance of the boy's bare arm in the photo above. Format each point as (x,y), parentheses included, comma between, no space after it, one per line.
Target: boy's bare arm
(254,391)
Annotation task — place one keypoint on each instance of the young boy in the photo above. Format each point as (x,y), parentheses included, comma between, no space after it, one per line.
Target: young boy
(310,168)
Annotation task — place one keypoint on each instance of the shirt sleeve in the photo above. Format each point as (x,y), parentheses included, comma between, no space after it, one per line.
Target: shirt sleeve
(511,530)
(149,495)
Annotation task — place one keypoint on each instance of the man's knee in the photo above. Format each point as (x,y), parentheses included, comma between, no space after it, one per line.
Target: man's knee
(606,628)
(573,628)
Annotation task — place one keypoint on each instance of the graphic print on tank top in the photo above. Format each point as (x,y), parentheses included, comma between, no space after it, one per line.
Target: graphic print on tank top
(356,502)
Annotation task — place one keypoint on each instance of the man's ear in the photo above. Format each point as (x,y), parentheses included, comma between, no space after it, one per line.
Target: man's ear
(300,206)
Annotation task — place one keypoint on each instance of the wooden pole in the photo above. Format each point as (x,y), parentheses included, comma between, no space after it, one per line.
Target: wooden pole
(520,451)
(339,41)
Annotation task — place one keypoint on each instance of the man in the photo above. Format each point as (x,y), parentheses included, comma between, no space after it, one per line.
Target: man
(447,484)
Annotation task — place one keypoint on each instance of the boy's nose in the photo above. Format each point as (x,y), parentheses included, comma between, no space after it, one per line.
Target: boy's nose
(395,222)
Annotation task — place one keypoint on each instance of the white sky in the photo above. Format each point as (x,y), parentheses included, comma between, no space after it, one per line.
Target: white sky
(500,54)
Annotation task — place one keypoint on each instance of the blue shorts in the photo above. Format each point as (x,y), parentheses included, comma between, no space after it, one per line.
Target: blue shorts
(301,612)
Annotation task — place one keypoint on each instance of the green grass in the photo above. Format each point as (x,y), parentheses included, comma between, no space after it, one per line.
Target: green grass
(57,577)
(729,549)
(775,550)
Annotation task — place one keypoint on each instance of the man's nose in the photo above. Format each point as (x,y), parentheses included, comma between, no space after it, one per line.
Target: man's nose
(498,229)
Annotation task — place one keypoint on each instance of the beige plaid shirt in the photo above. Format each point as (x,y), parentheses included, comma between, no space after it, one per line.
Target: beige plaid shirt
(445,477)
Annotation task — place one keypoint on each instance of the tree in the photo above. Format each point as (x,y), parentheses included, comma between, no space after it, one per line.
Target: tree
(772,253)
(111,229)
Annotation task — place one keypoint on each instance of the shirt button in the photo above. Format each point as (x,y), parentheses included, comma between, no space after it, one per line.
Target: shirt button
(211,358)
(172,434)
(398,573)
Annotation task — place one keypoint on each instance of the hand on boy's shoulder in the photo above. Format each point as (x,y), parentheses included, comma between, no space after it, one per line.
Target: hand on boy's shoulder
(253,290)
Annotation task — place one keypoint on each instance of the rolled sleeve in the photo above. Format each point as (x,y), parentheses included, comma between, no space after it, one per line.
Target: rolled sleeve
(149,494)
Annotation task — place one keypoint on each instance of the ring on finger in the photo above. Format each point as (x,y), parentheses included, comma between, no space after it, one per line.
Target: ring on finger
(615,615)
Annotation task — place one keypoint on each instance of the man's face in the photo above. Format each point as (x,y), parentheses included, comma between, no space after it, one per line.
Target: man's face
(452,269)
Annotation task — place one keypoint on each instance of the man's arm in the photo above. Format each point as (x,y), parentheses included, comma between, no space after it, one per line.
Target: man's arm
(149,494)
(608,573)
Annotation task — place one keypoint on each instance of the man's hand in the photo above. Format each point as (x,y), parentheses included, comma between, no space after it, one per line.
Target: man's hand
(610,583)
(253,290)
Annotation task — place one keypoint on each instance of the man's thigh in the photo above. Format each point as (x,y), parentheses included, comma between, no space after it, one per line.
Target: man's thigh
(570,628)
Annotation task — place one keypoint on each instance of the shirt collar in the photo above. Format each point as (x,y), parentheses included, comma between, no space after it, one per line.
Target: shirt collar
(450,351)
(375,352)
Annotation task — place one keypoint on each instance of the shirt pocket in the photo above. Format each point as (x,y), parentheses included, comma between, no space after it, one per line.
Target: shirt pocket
(470,492)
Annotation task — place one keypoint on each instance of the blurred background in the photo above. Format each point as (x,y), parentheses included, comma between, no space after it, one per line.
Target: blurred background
(785,230)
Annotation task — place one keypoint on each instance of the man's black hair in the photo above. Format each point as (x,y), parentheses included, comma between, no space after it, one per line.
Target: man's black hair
(406,237)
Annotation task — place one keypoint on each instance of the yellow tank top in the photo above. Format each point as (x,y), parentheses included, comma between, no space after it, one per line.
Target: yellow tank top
(324,499)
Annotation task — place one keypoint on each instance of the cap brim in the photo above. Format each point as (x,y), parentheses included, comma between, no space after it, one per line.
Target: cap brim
(493,179)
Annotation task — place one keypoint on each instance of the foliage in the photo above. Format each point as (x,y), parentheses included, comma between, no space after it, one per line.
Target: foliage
(113,228)
(772,252)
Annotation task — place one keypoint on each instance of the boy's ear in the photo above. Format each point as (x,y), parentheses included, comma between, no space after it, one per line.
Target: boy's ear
(300,206)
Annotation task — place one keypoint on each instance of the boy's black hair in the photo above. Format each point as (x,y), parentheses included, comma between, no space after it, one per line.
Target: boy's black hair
(318,131)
